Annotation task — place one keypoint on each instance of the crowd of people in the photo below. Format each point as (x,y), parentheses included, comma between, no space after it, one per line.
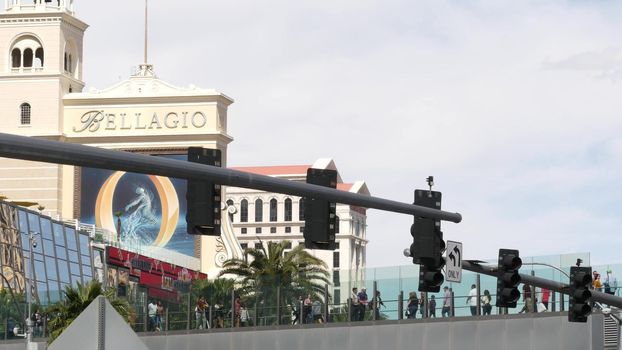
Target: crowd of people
(360,302)
(306,310)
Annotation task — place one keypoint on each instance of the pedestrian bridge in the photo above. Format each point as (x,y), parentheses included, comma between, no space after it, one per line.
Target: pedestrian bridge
(550,331)
(100,327)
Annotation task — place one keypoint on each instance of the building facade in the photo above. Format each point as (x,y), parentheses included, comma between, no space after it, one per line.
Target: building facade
(59,254)
(260,217)
(41,95)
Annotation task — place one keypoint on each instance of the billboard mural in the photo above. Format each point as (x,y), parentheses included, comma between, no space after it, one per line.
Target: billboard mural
(150,210)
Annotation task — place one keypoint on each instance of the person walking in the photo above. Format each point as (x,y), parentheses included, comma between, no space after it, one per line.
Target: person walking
(296,310)
(611,283)
(422,304)
(354,304)
(413,305)
(432,306)
(159,316)
(237,307)
(152,311)
(472,300)
(199,311)
(446,310)
(307,316)
(546,295)
(244,317)
(316,311)
(528,307)
(376,303)
(363,303)
(486,306)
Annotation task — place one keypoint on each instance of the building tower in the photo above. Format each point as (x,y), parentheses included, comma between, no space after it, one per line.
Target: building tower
(40,62)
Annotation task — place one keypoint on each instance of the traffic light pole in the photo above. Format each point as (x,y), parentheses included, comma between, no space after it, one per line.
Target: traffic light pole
(563,288)
(35,149)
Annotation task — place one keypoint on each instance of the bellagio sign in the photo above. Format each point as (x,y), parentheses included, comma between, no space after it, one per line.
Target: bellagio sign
(93,121)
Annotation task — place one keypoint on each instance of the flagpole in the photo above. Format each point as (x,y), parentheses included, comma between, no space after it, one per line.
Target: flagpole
(146,38)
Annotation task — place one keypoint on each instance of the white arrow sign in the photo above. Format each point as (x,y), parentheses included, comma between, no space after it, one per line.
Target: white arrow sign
(453,262)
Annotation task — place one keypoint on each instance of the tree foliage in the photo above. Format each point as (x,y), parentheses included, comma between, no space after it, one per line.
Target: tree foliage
(77,299)
(296,272)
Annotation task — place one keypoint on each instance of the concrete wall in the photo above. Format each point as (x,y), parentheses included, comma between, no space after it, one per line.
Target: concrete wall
(550,331)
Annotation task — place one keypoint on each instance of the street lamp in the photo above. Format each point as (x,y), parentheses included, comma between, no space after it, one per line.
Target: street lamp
(29,324)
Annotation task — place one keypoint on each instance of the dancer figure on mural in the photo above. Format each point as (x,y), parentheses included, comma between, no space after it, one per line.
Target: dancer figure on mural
(143,206)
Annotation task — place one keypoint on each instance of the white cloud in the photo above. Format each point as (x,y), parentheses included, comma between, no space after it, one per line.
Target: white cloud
(492,98)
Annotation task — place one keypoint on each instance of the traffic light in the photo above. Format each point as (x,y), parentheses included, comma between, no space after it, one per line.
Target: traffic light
(508,278)
(203,197)
(320,215)
(428,245)
(580,281)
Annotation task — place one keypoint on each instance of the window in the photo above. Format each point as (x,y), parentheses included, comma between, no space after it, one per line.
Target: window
(336,224)
(288,210)
(39,57)
(272,229)
(24,110)
(288,229)
(244,211)
(273,209)
(337,296)
(27,52)
(16,58)
(258,246)
(302,229)
(336,280)
(244,246)
(28,55)
(336,245)
(335,259)
(243,230)
(258,210)
(301,210)
(288,245)
(258,230)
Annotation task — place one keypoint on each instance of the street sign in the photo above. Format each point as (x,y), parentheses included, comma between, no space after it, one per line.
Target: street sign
(453,262)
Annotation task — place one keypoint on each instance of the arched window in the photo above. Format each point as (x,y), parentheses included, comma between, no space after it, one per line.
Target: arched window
(27,52)
(24,109)
(288,209)
(39,58)
(301,209)
(273,209)
(258,210)
(28,58)
(244,210)
(16,58)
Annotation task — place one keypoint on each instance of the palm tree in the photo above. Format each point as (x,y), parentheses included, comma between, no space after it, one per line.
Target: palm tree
(77,299)
(296,273)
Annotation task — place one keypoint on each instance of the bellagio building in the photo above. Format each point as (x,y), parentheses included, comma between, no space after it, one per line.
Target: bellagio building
(42,95)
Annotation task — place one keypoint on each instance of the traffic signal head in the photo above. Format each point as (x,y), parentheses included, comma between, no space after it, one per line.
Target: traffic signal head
(508,278)
(203,197)
(430,278)
(428,245)
(580,281)
(320,215)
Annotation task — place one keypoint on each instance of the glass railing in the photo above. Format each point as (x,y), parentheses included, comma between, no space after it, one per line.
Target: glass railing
(396,286)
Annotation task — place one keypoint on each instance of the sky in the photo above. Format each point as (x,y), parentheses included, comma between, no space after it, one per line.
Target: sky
(513,106)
